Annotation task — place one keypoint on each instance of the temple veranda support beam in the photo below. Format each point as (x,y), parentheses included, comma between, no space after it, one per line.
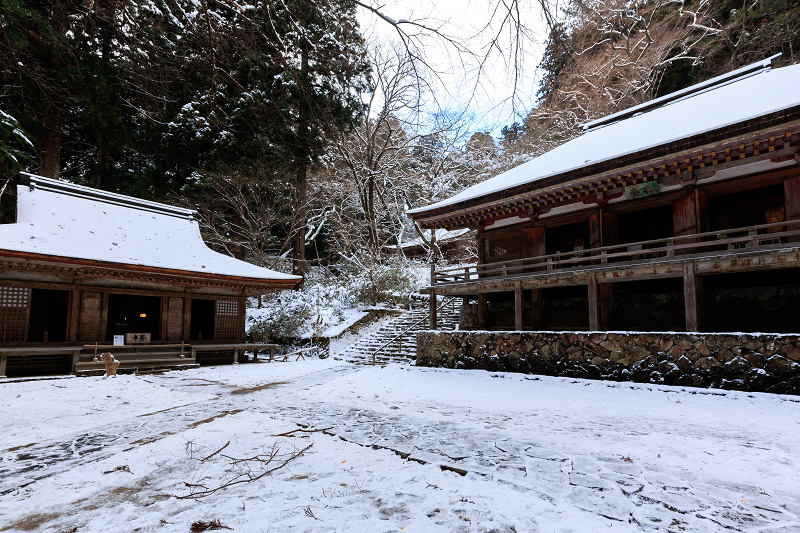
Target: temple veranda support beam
(518,307)
(692,297)
(594,305)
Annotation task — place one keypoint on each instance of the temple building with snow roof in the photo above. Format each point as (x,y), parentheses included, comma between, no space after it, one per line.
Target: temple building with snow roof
(80,266)
(680,214)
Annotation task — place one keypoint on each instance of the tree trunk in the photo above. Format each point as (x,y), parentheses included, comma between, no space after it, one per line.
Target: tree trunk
(50,147)
(301,190)
(301,165)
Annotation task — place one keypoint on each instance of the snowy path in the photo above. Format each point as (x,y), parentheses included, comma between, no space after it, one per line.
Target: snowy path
(541,454)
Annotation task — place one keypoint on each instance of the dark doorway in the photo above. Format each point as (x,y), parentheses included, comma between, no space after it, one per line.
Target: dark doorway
(134,314)
(753,301)
(567,238)
(565,308)
(202,320)
(747,208)
(645,225)
(48,319)
(652,305)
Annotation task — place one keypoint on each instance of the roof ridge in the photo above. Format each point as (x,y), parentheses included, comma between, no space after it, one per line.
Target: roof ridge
(698,88)
(64,187)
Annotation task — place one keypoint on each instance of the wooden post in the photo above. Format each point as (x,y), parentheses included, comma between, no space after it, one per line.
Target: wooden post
(3,362)
(104,317)
(236,356)
(518,306)
(432,307)
(536,315)
(74,315)
(594,305)
(76,357)
(693,297)
(482,311)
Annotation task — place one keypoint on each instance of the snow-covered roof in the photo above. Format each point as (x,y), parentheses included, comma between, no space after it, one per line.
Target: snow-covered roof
(57,218)
(733,98)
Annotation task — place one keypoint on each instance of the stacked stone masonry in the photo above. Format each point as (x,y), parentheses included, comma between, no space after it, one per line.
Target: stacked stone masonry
(764,363)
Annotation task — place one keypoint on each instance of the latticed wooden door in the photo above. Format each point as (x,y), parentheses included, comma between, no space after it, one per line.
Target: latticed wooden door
(15,307)
(226,320)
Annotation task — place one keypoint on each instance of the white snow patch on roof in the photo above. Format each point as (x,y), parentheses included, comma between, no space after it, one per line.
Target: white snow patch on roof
(745,99)
(64,221)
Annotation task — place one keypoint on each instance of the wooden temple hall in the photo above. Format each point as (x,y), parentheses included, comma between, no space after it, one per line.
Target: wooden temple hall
(680,214)
(81,267)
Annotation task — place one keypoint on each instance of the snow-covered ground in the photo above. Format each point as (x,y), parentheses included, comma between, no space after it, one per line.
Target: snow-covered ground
(539,453)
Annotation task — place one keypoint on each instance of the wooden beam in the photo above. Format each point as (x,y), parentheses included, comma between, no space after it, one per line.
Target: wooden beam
(693,297)
(518,307)
(3,361)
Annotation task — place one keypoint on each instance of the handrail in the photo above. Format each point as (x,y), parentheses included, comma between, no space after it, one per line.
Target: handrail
(445,302)
(666,247)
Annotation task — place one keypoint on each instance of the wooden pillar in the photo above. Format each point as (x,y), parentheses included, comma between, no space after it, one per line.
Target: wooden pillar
(518,307)
(432,301)
(74,315)
(594,305)
(242,319)
(692,297)
(536,314)
(432,308)
(187,318)
(164,318)
(3,362)
(482,311)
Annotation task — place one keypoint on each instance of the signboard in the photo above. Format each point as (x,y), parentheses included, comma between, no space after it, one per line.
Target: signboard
(137,338)
(643,190)
(119,340)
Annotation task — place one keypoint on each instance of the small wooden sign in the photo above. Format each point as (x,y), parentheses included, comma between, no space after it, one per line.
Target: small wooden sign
(643,190)
(137,338)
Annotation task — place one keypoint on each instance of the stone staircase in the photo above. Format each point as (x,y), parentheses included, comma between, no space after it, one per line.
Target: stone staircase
(396,341)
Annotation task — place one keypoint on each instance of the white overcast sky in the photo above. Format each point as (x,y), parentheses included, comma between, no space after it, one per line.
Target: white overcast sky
(487,92)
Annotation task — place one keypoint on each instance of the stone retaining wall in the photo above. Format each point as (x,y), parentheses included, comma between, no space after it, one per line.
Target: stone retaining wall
(768,363)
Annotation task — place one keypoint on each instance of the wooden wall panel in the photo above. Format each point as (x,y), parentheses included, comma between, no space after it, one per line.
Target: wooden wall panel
(90,316)
(175,319)
(791,191)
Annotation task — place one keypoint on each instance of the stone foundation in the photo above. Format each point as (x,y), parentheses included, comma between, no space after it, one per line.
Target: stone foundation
(767,363)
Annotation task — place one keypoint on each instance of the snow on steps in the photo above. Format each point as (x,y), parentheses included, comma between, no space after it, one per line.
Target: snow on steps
(404,348)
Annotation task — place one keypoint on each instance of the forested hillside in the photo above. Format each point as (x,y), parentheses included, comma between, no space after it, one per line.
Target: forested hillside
(292,135)
(608,55)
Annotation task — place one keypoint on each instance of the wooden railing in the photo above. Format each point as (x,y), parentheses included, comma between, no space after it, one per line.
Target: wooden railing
(739,240)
